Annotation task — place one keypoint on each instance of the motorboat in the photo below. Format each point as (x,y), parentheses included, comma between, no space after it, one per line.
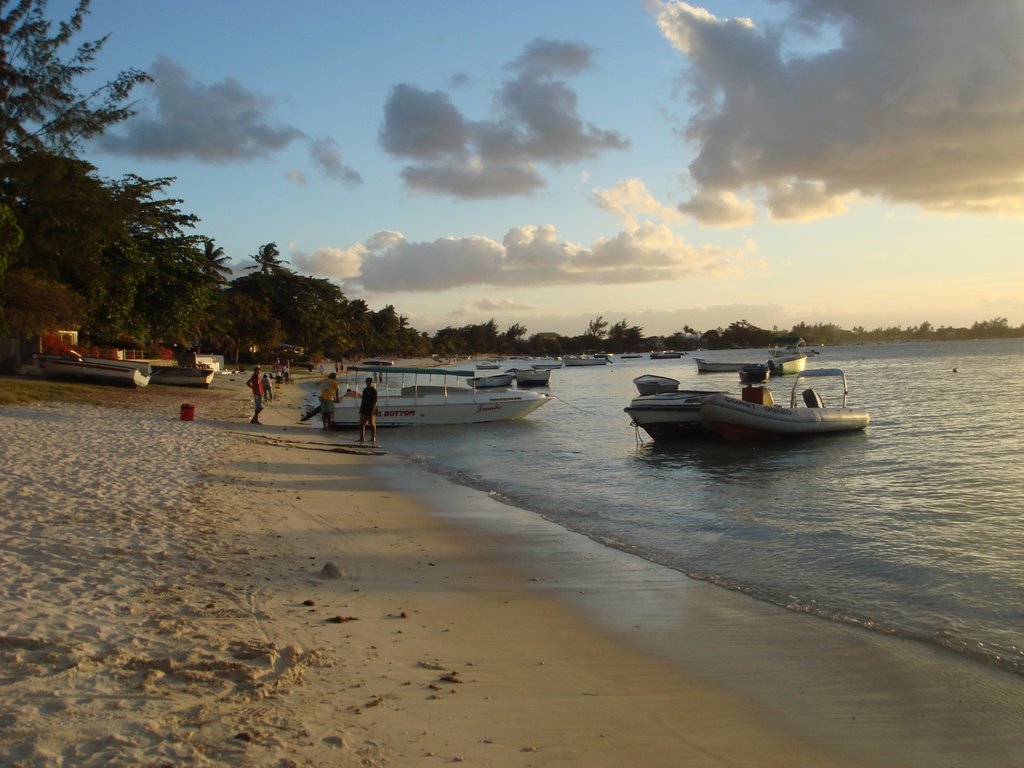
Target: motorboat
(181,376)
(532,377)
(670,415)
(788,356)
(431,396)
(754,415)
(552,363)
(492,380)
(667,354)
(704,365)
(95,370)
(755,373)
(577,361)
(651,384)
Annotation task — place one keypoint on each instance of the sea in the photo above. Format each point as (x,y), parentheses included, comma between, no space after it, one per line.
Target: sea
(912,528)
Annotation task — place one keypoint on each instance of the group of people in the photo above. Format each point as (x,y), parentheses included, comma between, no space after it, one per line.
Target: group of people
(330,394)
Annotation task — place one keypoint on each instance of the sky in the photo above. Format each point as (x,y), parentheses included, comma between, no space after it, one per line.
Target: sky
(858,162)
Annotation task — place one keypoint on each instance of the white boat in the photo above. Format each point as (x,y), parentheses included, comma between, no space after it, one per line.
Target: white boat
(532,377)
(705,365)
(788,356)
(181,376)
(667,354)
(431,396)
(492,380)
(95,370)
(578,361)
(651,384)
(487,366)
(754,415)
(670,415)
(552,363)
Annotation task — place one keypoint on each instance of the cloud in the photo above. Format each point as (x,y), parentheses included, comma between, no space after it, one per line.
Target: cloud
(223,122)
(298,178)
(490,305)
(536,120)
(327,157)
(918,101)
(216,123)
(720,209)
(645,251)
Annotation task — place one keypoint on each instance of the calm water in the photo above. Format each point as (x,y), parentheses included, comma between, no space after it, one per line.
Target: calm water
(914,527)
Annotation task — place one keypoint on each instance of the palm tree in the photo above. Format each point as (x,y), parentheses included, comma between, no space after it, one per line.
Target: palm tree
(216,264)
(268,260)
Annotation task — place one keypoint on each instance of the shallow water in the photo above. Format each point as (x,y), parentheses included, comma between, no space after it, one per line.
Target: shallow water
(914,527)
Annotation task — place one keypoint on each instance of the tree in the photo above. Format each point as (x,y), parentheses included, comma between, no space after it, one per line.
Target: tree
(268,260)
(11,238)
(35,304)
(216,264)
(597,327)
(40,108)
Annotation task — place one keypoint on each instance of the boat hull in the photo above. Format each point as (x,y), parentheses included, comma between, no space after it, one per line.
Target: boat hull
(670,415)
(181,377)
(787,366)
(651,384)
(94,371)
(736,419)
(494,380)
(438,409)
(580,362)
(536,377)
(718,366)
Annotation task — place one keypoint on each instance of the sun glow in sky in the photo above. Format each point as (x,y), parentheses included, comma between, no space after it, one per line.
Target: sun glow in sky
(853,161)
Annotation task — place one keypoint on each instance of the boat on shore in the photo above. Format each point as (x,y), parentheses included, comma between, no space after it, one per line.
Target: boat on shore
(670,415)
(652,384)
(754,415)
(181,376)
(410,396)
(95,370)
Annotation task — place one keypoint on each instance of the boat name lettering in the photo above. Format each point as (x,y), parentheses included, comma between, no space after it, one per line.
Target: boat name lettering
(486,408)
(398,412)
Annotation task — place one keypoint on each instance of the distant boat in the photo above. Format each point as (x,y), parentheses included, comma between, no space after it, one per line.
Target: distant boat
(493,380)
(94,370)
(551,363)
(667,354)
(755,373)
(578,361)
(532,377)
(718,366)
(788,356)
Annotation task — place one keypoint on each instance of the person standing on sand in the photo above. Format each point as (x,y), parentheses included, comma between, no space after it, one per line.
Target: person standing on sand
(268,392)
(329,394)
(368,412)
(255,383)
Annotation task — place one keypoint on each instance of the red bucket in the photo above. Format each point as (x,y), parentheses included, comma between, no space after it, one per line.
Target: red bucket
(188,411)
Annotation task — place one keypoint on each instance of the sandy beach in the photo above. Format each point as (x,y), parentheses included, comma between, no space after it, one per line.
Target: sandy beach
(218,593)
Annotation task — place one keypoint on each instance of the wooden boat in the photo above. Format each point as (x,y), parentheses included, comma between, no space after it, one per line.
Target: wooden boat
(181,376)
(670,415)
(492,380)
(431,396)
(705,365)
(651,384)
(95,370)
(755,416)
(755,373)
(532,377)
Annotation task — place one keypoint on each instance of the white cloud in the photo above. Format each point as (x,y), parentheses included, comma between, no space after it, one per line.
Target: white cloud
(917,101)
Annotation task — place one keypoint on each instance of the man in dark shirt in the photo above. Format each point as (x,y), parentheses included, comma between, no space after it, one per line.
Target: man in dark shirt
(368,412)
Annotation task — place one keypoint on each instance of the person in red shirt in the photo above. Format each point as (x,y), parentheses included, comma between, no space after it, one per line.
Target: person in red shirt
(255,383)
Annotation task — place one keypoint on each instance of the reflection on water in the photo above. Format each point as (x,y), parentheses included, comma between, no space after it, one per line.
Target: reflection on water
(913,526)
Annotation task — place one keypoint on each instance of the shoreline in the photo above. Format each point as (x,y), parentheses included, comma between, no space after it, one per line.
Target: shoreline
(444,626)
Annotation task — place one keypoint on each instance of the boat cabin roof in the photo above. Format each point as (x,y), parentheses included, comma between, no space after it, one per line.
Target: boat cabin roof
(413,370)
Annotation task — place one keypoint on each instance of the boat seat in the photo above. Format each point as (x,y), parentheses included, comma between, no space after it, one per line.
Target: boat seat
(812,399)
